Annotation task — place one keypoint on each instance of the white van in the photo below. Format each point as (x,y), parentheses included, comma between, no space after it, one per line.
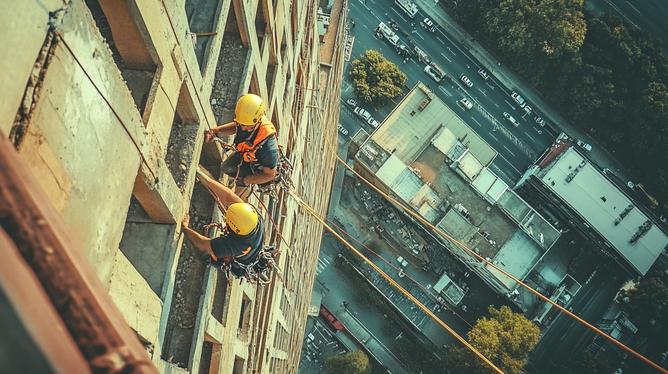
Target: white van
(511,119)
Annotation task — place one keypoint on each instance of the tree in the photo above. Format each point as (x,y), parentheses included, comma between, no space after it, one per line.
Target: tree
(376,80)
(505,339)
(645,301)
(583,363)
(352,362)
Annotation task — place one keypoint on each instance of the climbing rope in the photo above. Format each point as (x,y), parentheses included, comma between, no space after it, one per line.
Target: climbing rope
(396,285)
(473,253)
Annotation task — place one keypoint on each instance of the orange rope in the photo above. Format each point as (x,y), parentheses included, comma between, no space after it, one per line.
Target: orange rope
(538,294)
(393,282)
(482,334)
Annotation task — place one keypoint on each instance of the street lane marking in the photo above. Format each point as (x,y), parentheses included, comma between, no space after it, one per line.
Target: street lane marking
(399,14)
(530,137)
(490,134)
(418,34)
(439,39)
(634,8)
(446,57)
(444,91)
(511,152)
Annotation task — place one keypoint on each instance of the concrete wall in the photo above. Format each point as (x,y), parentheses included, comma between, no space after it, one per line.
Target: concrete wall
(90,100)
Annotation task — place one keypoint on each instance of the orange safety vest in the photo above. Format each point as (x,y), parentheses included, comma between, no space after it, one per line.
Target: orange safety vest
(249,146)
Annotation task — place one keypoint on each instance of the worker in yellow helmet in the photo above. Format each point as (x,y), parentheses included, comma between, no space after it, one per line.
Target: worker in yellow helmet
(256,150)
(243,240)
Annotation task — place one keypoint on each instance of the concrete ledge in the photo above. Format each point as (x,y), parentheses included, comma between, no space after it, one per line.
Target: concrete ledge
(133,296)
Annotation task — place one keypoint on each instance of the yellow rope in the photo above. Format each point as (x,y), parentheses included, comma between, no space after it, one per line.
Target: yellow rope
(538,294)
(392,281)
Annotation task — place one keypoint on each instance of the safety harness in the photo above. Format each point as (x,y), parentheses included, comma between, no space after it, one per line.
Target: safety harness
(249,146)
(255,270)
(256,140)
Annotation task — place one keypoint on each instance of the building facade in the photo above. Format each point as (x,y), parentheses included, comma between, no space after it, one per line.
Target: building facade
(107,103)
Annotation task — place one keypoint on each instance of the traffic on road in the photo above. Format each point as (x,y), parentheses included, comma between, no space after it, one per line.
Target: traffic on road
(424,52)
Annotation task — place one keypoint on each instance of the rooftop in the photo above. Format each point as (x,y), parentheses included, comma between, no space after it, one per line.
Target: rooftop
(605,208)
(433,161)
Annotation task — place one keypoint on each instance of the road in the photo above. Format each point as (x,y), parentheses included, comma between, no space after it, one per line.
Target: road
(647,15)
(566,336)
(490,98)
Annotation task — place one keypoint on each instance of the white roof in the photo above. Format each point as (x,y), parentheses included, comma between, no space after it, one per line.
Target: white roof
(600,202)
(470,165)
(517,257)
(390,170)
(406,185)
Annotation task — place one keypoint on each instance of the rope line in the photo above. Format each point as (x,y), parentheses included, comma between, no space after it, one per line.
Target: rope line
(527,287)
(118,117)
(482,334)
(396,285)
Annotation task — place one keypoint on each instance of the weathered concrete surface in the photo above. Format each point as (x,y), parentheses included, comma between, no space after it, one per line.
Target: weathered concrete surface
(139,305)
(31,18)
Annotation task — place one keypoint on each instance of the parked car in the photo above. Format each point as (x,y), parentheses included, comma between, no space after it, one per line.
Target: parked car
(343,130)
(352,102)
(466,81)
(466,103)
(432,73)
(518,99)
(362,113)
(483,73)
(373,122)
(429,24)
(510,119)
(584,145)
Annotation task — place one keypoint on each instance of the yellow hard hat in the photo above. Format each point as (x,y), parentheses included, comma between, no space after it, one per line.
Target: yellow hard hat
(250,109)
(241,218)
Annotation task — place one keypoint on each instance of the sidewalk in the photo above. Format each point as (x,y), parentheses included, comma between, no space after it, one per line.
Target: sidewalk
(508,78)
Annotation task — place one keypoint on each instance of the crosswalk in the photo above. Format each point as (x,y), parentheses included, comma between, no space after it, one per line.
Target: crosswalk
(322,264)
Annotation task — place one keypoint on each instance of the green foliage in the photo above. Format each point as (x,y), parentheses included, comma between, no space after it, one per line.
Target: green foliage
(584,363)
(607,76)
(646,300)
(505,339)
(376,80)
(352,362)
(416,355)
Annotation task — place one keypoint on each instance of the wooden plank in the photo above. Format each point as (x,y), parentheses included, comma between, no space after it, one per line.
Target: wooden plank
(75,290)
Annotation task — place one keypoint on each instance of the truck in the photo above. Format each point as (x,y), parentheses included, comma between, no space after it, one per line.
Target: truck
(408,7)
(386,32)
